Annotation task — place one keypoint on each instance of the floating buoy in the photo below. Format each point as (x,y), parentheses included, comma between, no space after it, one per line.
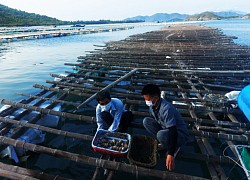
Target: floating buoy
(244,101)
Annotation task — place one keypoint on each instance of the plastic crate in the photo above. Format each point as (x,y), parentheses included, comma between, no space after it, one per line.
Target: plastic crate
(143,151)
(112,143)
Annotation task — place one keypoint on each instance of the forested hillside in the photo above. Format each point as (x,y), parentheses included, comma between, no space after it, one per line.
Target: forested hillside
(13,17)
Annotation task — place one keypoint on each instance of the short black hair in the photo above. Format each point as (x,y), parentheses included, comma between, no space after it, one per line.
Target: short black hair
(101,95)
(151,90)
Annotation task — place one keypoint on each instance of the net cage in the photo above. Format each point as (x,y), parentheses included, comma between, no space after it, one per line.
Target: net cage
(143,151)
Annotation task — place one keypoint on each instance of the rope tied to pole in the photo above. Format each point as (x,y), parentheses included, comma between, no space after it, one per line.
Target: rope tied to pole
(34,148)
(54,152)
(98,162)
(23,144)
(136,171)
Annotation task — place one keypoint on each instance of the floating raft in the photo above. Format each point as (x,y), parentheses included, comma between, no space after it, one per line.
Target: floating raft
(189,63)
(21,34)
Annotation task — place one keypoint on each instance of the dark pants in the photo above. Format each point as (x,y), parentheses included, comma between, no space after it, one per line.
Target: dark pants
(161,134)
(126,118)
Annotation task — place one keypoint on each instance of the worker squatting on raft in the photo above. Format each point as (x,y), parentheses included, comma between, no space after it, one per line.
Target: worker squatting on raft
(165,123)
(110,113)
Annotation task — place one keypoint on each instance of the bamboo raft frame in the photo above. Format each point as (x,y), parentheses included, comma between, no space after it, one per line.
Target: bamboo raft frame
(187,62)
(21,35)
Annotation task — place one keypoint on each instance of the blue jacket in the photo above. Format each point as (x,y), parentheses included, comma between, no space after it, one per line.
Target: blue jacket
(167,116)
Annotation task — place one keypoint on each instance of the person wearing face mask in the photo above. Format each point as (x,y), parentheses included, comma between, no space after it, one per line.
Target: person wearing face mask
(110,113)
(165,123)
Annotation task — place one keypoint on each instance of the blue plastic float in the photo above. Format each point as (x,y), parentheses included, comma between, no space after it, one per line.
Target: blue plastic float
(244,101)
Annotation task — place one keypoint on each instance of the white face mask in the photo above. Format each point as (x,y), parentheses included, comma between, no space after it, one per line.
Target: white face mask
(106,107)
(149,103)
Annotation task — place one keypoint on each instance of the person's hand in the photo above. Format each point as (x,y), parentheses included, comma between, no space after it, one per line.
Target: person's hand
(170,164)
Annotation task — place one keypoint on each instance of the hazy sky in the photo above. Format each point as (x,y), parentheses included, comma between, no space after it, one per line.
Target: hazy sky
(119,10)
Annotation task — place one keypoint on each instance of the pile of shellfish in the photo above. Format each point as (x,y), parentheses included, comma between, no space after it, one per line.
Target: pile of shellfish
(113,144)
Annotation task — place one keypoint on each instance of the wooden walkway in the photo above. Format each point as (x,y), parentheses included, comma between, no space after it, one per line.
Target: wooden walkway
(187,62)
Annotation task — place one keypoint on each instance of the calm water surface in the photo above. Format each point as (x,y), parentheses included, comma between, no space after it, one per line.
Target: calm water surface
(25,63)
(238,28)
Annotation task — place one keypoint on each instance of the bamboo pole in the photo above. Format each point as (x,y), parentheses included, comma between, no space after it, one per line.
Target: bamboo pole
(129,93)
(18,132)
(5,127)
(211,72)
(15,176)
(198,84)
(49,99)
(212,116)
(77,80)
(182,78)
(228,137)
(21,130)
(47,129)
(118,166)
(174,83)
(61,91)
(209,109)
(219,123)
(23,173)
(72,85)
(227,130)
(98,170)
(10,110)
(193,65)
(108,87)
(206,158)
(49,111)
(205,147)
(123,68)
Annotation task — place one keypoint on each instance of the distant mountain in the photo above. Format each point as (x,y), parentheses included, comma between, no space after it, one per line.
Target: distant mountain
(160,17)
(13,17)
(205,16)
(247,16)
(164,17)
(229,13)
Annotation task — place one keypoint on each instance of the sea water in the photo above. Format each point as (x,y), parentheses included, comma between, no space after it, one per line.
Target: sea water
(239,28)
(24,63)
